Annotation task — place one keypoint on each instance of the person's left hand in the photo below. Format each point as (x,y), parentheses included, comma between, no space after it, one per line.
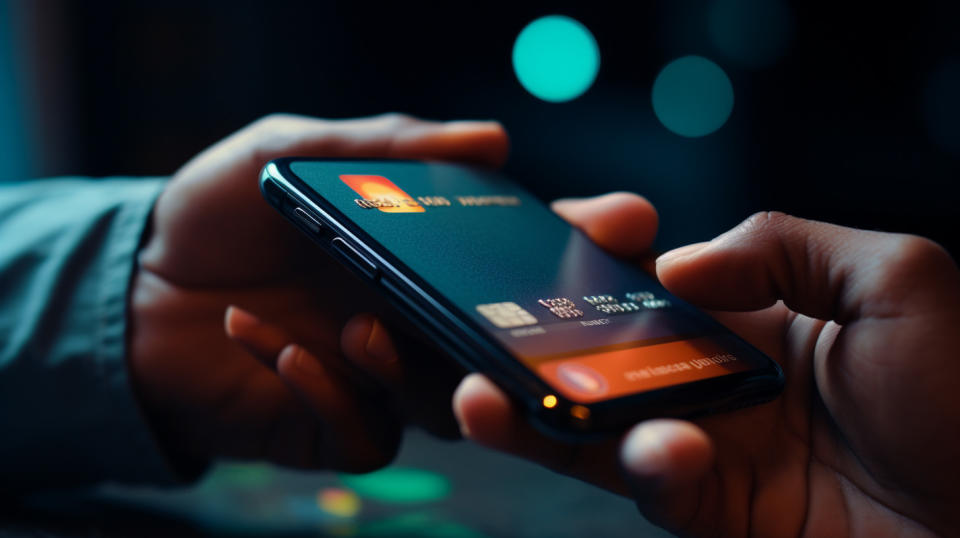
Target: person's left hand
(215,242)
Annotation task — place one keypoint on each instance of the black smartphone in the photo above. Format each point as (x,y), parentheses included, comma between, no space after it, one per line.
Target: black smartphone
(587,343)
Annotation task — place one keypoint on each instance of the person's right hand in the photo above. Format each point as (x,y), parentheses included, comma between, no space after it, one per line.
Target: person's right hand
(865,439)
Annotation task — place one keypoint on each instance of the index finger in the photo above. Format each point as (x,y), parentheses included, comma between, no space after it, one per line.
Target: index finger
(396,136)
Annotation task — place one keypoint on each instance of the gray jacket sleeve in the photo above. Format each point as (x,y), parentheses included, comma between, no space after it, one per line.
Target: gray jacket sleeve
(68,415)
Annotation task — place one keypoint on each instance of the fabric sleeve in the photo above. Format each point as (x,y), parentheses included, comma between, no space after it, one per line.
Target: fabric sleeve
(68,415)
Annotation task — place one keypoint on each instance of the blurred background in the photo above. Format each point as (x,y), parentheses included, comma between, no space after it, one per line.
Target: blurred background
(845,111)
(842,111)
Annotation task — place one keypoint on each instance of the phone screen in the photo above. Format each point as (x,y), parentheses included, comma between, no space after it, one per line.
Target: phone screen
(592,327)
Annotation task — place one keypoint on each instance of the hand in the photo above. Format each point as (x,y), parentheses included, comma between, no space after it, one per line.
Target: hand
(215,242)
(864,439)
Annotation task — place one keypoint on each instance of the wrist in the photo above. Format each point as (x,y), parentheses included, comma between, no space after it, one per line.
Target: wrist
(150,324)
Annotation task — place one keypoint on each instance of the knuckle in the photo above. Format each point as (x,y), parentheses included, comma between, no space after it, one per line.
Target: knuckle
(764,227)
(280,123)
(272,122)
(273,135)
(397,119)
(763,221)
(909,269)
(911,256)
(626,197)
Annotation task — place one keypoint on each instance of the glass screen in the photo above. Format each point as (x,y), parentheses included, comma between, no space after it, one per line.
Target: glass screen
(591,326)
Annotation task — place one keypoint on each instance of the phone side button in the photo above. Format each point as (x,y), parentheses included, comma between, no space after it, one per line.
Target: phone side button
(359,260)
(306,218)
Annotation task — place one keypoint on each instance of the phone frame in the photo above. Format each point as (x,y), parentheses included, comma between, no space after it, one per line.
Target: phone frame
(463,338)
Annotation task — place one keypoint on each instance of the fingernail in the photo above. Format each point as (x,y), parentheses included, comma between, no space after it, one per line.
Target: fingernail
(304,361)
(237,319)
(379,345)
(644,453)
(457,402)
(682,252)
(228,321)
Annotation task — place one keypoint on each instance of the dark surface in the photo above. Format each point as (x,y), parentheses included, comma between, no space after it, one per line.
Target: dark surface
(490,495)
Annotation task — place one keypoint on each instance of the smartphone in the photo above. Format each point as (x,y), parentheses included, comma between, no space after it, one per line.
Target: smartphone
(588,344)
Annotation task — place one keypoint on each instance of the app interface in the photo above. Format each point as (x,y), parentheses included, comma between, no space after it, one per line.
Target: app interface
(592,327)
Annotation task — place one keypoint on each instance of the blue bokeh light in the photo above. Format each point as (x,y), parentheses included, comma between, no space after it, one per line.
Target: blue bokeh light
(692,96)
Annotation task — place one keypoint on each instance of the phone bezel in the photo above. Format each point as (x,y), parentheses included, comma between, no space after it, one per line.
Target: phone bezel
(461,336)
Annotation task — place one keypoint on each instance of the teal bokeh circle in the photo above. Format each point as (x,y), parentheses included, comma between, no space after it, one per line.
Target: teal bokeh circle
(556,58)
(692,96)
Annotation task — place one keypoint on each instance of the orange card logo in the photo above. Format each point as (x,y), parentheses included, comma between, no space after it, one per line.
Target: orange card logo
(381,193)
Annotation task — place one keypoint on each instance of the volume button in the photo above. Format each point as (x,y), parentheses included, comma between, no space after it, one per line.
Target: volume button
(307,219)
(361,262)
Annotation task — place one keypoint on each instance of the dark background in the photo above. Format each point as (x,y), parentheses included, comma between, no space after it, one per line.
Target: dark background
(857,122)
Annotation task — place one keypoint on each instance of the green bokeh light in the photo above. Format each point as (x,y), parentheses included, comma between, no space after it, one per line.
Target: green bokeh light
(692,96)
(556,58)
(399,485)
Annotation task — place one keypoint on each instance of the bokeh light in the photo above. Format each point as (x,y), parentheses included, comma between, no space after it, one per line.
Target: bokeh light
(751,33)
(338,502)
(399,485)
(581,412)
(942,106)
(692,96)
(556,58)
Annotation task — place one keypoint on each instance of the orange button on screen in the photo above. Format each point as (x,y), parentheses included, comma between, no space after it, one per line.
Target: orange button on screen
(601,376)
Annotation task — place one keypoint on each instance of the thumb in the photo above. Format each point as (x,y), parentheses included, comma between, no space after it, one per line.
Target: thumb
(821,270)
(667,464)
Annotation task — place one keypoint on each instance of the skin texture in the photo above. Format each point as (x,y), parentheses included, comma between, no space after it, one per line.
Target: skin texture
(864,439)
(219,382)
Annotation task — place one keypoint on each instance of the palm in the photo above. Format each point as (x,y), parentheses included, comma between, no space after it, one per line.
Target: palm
(228,247)
(802,465)
(233,403)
